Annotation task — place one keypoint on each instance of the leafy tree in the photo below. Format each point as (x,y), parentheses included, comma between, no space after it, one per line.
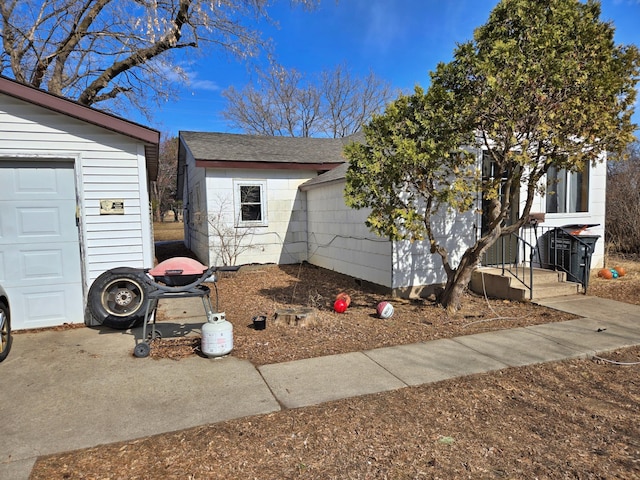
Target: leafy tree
(286,103)
(118,53)
(541,84)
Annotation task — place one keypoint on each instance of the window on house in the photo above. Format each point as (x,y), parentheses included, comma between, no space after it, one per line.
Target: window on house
(567,192)
(250,204)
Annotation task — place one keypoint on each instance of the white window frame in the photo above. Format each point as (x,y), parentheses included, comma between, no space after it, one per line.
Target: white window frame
(262,185)
(566,186)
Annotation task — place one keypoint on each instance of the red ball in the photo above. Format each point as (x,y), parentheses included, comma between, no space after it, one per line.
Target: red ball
(340,306)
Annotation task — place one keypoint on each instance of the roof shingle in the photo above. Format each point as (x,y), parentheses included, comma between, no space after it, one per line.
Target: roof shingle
(233,147)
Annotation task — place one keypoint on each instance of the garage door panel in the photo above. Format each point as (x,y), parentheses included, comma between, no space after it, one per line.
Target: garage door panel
(42,265)
(28,266)
(36,308)
(38,222)
(37,180)
(7,222)
(39,243)
(28,222)
(52,223)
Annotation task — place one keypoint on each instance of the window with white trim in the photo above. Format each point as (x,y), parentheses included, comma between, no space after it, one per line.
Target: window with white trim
(250,203)
(567,192)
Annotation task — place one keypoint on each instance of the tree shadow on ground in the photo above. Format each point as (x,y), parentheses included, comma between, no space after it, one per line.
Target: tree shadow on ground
(311,286)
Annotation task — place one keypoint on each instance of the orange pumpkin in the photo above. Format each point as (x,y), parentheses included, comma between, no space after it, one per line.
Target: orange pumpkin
(605,273)
(621,271)
(345,297)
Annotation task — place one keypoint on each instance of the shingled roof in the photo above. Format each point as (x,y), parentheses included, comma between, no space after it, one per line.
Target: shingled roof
(231,150)
(336,175)
(230,147)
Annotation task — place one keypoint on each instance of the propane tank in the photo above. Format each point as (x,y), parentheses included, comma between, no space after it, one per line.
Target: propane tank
(217,335)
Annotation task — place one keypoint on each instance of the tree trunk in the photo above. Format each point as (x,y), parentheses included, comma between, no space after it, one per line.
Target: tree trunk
(451,297)
(458,279)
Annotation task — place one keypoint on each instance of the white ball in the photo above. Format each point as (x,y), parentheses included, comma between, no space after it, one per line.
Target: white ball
(384,310)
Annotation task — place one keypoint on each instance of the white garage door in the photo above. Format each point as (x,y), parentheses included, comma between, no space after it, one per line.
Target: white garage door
(39,246)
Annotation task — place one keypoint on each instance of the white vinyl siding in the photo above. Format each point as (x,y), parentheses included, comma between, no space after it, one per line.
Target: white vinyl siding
(339,239)
(282,240)
(195,213)
(107,166)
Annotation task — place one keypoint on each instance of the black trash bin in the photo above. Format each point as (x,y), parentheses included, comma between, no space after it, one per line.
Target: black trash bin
(572,252)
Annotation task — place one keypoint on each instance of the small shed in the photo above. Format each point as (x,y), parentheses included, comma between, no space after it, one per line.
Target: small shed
(240,194)
(74,201)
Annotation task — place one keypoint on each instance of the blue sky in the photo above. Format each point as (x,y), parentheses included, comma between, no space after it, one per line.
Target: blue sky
(399,40)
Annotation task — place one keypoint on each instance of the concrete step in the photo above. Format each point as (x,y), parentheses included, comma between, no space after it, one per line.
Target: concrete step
(547,283)
(540,275)
(559,289)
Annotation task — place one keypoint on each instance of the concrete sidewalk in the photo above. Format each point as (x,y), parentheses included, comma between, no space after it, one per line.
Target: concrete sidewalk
(64,390)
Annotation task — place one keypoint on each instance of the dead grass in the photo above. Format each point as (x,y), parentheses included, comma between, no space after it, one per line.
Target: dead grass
(625,289)
(168,231)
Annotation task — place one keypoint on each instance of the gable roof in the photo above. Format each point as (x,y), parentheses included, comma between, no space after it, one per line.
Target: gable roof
(238,148)
(232,150)
(35,96)
(338,174)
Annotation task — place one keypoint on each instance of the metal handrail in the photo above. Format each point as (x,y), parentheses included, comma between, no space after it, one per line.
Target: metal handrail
(555,241)
(517,269)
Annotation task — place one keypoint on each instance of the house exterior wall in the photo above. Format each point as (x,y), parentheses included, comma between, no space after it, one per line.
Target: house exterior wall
(595,215)
(339,240)
(282,240)
(195,214)
(314,224)
(416,271)
(337,233)
(107,166)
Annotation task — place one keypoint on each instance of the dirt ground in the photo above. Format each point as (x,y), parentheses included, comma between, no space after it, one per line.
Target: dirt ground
(572,419)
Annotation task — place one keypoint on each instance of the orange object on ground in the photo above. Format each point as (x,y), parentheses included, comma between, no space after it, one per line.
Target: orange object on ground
(621,271)
(605,273)
(345,297)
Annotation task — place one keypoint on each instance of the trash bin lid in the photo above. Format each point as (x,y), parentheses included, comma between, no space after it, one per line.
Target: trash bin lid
(578,228)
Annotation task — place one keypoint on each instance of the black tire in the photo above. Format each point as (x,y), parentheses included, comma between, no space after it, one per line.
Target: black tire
(119,297)
(142,350)
(5,331)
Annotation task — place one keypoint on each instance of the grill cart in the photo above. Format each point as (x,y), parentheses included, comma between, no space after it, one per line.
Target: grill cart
(126,297)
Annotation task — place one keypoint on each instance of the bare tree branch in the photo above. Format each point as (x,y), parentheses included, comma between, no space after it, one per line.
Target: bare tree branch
(285,103)
(121,53)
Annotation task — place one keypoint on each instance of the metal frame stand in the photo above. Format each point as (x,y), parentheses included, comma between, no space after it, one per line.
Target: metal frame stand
(143,348)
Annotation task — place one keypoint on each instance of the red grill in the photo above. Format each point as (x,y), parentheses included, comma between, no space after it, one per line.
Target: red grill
(178,271)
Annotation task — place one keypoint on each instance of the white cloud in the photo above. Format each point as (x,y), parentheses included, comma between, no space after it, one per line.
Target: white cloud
(209,85)
(193,81)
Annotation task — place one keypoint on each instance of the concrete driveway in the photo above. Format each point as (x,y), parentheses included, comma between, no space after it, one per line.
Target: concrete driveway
(70,389)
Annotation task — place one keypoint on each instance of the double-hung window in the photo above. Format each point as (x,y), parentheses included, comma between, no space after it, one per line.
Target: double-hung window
(567,192)
(250,203)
